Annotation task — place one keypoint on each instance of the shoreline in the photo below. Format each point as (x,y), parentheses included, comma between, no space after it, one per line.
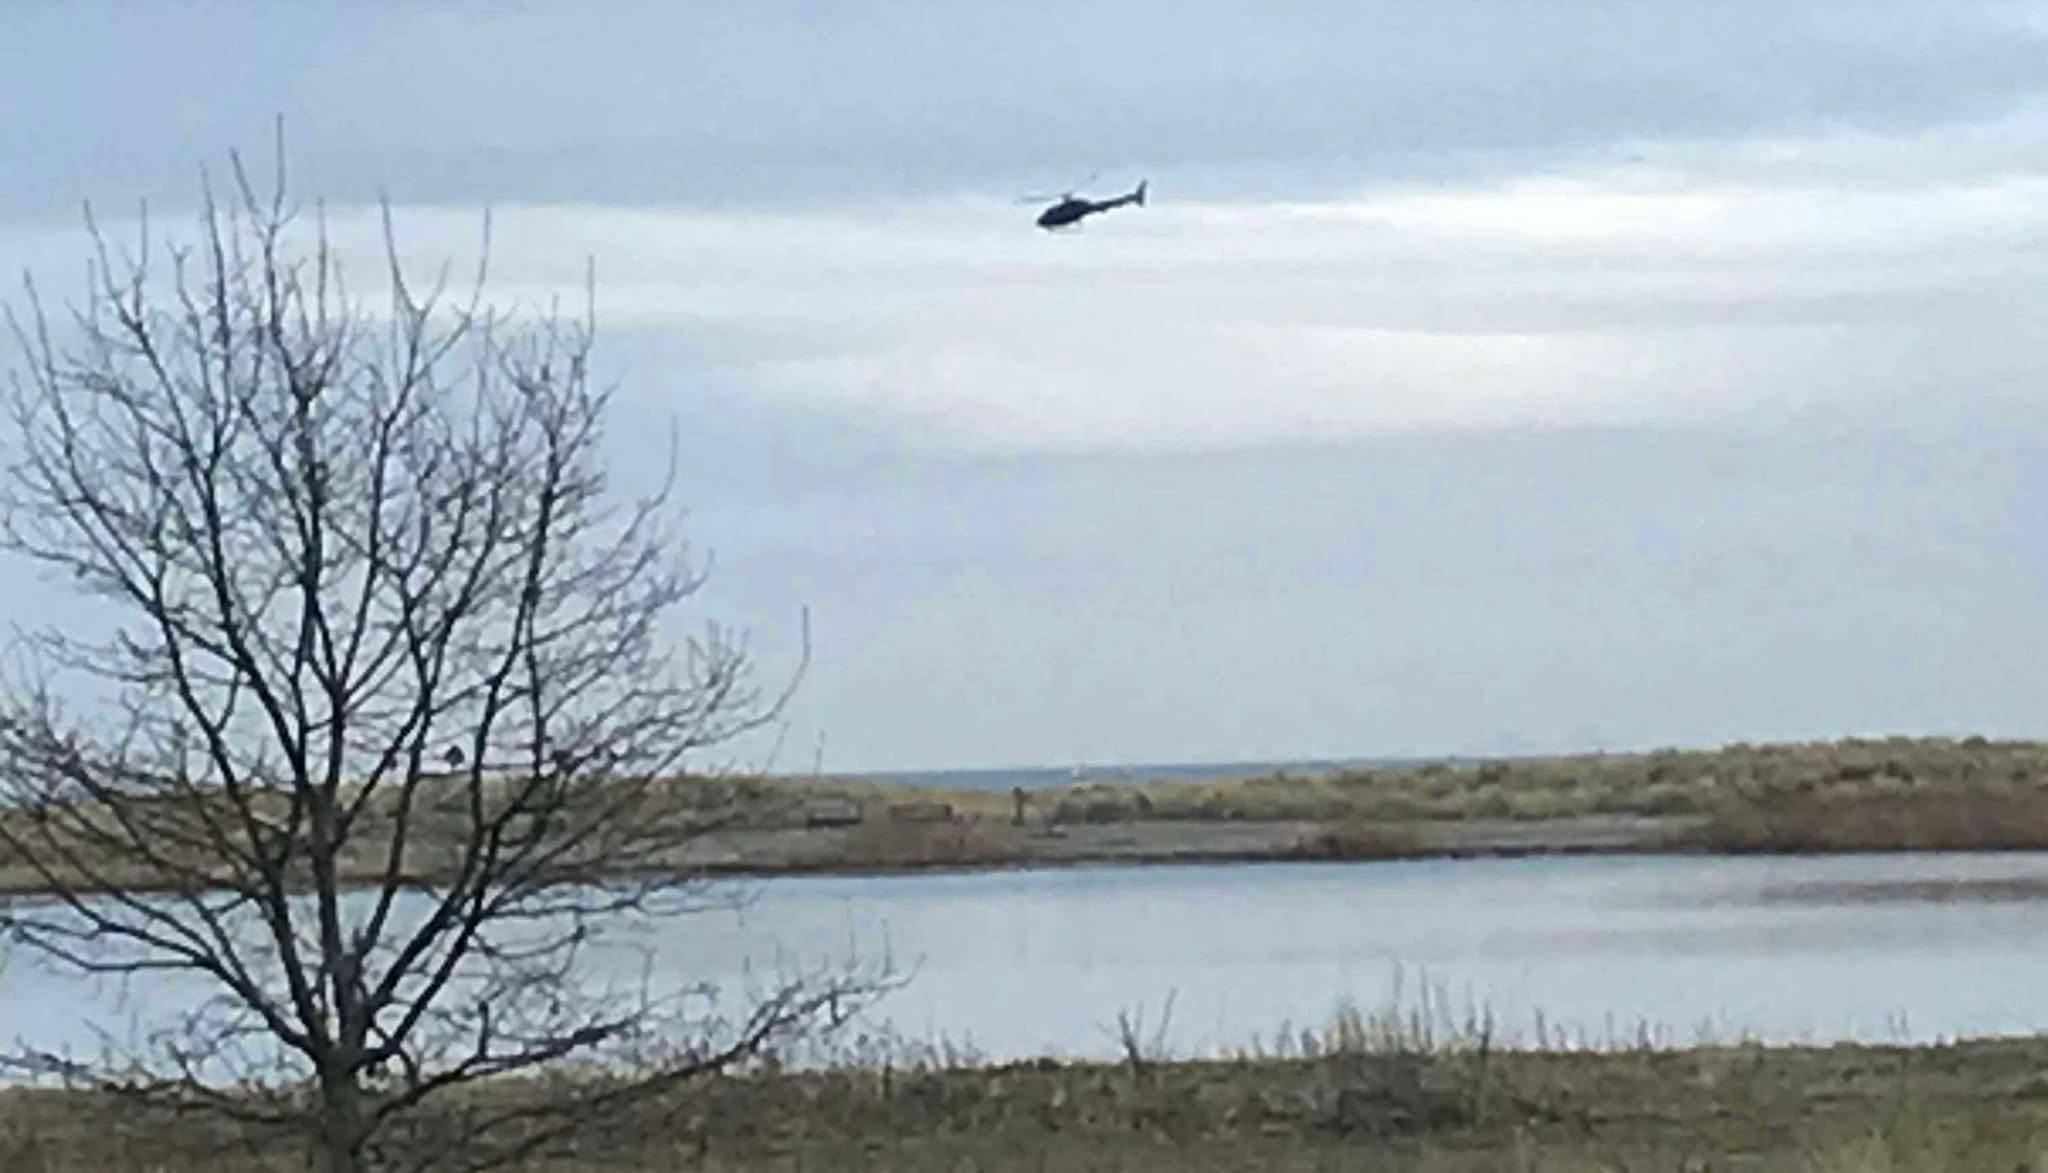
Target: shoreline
(1851,796)
(962,847)
(969,846)
(935,849)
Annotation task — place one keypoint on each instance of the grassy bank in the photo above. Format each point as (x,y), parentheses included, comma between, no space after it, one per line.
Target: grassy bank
(1895,794)
(1343,1104)
(1855,795)
(1661,783)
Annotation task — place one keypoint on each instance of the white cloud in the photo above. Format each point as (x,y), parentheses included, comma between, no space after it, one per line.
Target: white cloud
(1661,576)
(1631,294)
(1680,286)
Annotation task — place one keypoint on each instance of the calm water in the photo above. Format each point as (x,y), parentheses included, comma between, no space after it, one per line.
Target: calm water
(1872,947)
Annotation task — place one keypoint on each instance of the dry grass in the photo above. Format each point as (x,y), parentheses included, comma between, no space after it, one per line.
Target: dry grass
(1852,795)
(880,844)
(1914,821)
(1367,1095)
(1664,782)
(1891,794)
(1356,839)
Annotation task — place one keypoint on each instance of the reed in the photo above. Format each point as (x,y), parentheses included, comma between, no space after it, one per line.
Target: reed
(1423,1084)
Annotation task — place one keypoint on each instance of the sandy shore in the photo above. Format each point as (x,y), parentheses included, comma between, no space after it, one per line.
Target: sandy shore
(985,843)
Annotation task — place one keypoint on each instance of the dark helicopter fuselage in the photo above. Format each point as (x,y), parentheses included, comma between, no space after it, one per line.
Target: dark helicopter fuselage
(1071,209)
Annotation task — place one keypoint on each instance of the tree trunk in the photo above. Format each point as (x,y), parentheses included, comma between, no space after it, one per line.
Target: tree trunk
(339,1144)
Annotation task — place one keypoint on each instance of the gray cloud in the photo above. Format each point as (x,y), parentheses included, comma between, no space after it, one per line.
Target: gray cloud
(1414,595)
(1491,372)
(712,104)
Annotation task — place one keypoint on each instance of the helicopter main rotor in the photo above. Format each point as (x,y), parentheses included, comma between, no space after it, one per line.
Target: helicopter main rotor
(1064,195)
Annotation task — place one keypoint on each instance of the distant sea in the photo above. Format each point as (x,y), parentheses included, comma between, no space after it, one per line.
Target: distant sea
(1002,778)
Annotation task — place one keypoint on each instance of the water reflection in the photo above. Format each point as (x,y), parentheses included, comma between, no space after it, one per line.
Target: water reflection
(1018,963)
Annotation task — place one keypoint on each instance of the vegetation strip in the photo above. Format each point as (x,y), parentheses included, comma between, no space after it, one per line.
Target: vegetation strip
(1456,1106)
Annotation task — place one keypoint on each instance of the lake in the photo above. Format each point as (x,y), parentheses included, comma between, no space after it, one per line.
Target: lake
(1875,947)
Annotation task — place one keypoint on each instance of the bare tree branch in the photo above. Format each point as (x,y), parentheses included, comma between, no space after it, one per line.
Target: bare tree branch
(343,544)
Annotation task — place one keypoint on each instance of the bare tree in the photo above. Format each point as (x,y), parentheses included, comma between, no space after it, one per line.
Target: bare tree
(391,729)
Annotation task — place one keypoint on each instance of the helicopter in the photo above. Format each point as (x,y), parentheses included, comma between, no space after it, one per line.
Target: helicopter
(1071,208)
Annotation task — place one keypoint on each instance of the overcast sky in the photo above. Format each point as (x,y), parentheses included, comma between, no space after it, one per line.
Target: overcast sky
(1482,376)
